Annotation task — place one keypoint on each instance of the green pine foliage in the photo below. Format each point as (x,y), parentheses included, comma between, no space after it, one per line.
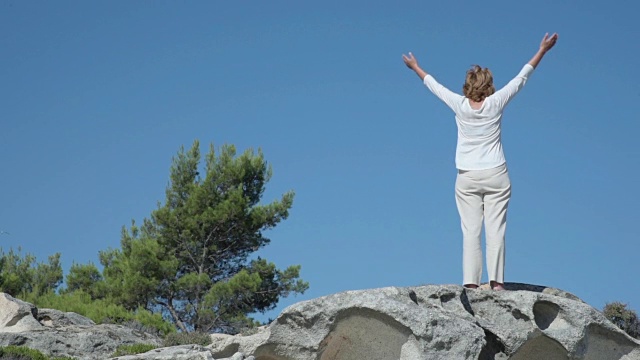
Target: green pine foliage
(623,317)
(190,259)
(21,274)
(87,278)
(134,349)
(192,262)
(2,261)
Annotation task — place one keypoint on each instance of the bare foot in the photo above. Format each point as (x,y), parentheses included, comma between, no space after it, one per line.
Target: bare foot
(497,286)
(471,286)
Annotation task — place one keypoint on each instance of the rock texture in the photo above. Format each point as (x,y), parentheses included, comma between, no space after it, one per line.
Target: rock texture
(17,315)
(55,318)
(527,322)
(62,334)
(439,322)
(183,352)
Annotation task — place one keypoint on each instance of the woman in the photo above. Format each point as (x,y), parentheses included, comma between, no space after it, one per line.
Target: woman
(483,188)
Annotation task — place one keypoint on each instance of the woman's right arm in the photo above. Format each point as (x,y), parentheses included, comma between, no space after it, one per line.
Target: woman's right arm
(507,93)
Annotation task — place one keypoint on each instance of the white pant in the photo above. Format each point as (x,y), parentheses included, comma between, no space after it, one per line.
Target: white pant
(483,194)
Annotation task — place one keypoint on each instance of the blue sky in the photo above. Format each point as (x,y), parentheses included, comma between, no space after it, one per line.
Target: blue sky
(98,96)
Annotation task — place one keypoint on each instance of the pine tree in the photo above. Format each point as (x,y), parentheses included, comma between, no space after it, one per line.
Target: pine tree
(192,259)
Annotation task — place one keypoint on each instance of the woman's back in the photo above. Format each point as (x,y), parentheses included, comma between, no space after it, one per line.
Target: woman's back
(479,130)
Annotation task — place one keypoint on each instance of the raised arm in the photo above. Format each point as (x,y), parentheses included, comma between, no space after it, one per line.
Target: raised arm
(412,63)
(504,95)
(447,96)
(545,45)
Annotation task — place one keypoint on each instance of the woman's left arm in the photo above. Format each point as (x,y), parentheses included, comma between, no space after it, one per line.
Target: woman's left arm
(412,63)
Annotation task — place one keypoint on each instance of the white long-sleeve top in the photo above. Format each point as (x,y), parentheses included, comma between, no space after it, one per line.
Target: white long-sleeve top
(479,131)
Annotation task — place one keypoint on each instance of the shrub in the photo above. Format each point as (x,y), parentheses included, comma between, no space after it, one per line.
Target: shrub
(625,319)
(183,338)
(123,350)
(23,353)
(153,323)
(103,311)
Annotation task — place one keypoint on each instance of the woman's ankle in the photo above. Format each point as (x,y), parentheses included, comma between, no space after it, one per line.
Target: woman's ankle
(496,285)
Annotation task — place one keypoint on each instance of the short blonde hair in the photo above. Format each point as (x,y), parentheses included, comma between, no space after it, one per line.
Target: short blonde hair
(478,84)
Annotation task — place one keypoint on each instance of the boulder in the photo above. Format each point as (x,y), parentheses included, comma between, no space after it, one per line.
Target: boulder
(63,334)
(17,315)
(225,346)
(439,322)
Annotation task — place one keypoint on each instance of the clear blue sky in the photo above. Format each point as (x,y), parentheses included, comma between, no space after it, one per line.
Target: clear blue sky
(96,98)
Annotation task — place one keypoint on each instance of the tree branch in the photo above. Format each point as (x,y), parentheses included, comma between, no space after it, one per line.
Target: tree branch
(174,314)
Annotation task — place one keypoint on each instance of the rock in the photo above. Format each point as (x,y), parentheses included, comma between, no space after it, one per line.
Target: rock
(78,341)
(56,318)
(237,356)
(182,352)
(65,334)
(527,322)
(438,322)
(225,346)
(17,315)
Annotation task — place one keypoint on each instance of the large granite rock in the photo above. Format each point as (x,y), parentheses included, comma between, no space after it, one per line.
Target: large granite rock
(527,322)
(62,334)
(17,315)
(438,322)
(82,342)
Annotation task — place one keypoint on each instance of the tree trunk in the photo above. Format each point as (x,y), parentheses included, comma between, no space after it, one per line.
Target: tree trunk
(175,316)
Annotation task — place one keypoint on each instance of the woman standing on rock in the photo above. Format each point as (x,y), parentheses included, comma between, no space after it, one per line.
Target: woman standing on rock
(483,188)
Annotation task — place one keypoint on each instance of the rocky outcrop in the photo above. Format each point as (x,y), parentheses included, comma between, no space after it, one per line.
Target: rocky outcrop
(526,322)
(439,322)
(62,334)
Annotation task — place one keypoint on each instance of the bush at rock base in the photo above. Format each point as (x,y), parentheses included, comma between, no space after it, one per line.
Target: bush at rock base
(133,349)
(182,338)
(626,319)
(102,311)
(23,353)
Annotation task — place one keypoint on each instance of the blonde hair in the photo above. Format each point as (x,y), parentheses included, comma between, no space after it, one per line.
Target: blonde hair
(478,84)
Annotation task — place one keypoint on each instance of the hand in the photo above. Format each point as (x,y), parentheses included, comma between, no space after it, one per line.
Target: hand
(410,61)
(547,42)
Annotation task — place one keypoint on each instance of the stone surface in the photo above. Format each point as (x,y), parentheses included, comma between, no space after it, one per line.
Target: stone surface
(17,315)
(526,322)
(182,352)
(78,341)
(64,334)
(224,346)
(55,318)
